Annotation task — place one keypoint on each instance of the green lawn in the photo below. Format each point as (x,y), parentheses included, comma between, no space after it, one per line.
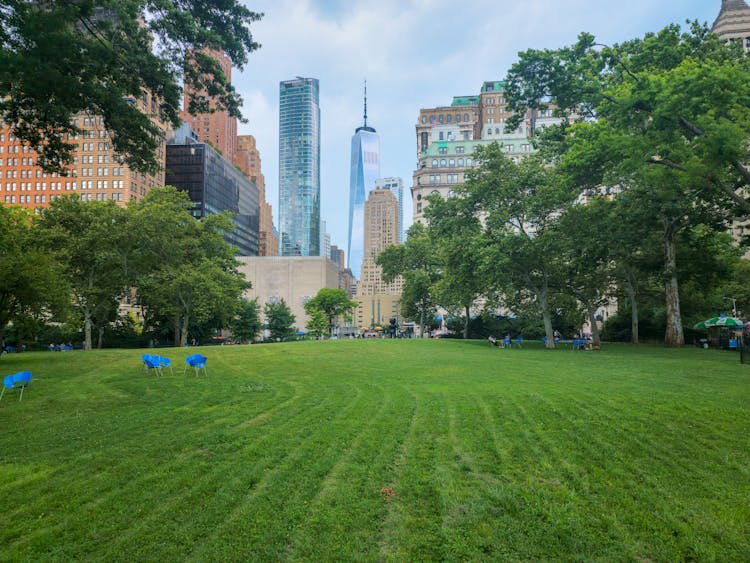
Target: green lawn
(378,450)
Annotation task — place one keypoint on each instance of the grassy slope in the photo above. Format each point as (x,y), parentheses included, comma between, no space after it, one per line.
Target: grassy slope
(400,450)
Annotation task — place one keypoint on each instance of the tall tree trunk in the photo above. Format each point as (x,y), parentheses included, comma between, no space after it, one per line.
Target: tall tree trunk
(184,330)
(466,323)
(100,339)
(86,329)
(177,334)
(547,318)
(630,289)
(421,325)
(674,335)
(596,339)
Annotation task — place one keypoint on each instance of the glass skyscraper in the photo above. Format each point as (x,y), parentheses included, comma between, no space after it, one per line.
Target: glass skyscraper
(299,167)
(365,169)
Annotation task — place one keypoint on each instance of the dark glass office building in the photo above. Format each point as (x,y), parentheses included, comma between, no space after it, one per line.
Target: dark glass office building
(215,185)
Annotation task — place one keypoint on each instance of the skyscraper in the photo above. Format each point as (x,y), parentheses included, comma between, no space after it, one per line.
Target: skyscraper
(365,169)
(217,128)
(299,167)
(396,185)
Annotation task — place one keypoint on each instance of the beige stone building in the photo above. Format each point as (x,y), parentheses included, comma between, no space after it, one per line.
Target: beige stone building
(733,22)
(249,162)
(295,279)
(378,301)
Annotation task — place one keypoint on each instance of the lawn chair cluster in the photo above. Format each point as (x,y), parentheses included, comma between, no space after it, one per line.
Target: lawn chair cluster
(156,363)
(159,363)
(16,381)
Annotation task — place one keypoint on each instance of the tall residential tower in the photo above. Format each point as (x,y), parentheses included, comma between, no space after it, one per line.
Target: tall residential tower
(365,169)
(299,167)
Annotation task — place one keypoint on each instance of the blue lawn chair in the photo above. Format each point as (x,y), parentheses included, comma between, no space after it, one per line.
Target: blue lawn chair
(18,380)
(519,341)
(150,361)
(197,362)
(165,363)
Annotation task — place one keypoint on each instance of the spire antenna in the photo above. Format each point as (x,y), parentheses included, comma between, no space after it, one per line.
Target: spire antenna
(365,102)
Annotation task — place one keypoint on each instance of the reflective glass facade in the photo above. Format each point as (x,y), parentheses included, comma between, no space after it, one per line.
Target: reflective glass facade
(214,185)
(299,167)
(365,169)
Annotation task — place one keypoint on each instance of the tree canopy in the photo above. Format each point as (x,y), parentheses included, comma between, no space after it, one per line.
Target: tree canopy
(58,59)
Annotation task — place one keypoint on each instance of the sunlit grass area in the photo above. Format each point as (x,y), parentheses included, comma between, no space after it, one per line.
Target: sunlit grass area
(378,450)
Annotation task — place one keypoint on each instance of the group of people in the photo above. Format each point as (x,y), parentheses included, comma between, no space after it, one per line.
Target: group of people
(504,343)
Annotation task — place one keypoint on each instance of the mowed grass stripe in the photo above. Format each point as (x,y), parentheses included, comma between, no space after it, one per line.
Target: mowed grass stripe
(287,488)
(627,454)
(344,520)
(166,483)
(232,460)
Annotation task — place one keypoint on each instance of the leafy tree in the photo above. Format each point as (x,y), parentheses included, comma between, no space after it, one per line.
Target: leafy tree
(672,112)
(582,239)
(31,282)
(246,325)
(58,59)
(318,324)
(280,321)
(458,242)
(520,203)
(332,303)
(187,272)
(417,262)
(94,243)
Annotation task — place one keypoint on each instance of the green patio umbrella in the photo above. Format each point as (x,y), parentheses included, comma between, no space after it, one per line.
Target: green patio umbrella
(720,321)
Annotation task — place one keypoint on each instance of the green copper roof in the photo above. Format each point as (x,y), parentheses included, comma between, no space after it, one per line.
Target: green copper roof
(493,86)
(451,147)
(465,101)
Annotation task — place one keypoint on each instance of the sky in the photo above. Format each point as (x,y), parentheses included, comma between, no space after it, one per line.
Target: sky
(414,54)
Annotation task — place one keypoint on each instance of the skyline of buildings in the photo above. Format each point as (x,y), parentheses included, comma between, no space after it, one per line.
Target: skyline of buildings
(299,167)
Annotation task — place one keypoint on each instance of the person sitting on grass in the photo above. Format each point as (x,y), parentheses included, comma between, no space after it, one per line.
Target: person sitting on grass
(492,340)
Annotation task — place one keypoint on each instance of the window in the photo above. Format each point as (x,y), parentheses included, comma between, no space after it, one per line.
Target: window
(459,150)
(434,192)
(441,118)
(434,163)
(442,150)
(458,118)
(460,161)
(424,119)
(466,117)
(442,163)
(441,136)
(448,118)
(451,163)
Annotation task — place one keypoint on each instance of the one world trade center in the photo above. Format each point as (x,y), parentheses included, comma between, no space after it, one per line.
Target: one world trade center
(365,169)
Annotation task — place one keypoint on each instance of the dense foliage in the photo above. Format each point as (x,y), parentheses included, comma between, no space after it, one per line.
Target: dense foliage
(79,262)
(58,59)
(629,197)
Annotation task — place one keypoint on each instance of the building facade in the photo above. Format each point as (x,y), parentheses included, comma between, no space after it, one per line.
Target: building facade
(733,22)
(365,170)
(377,299)
(299,167)
(218,128)
(96,173)
(396,186)
(248,160)
(214,185)
(447,138)
(295,279)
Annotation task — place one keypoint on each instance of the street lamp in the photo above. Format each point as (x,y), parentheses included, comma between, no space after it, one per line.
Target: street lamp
(734,305)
